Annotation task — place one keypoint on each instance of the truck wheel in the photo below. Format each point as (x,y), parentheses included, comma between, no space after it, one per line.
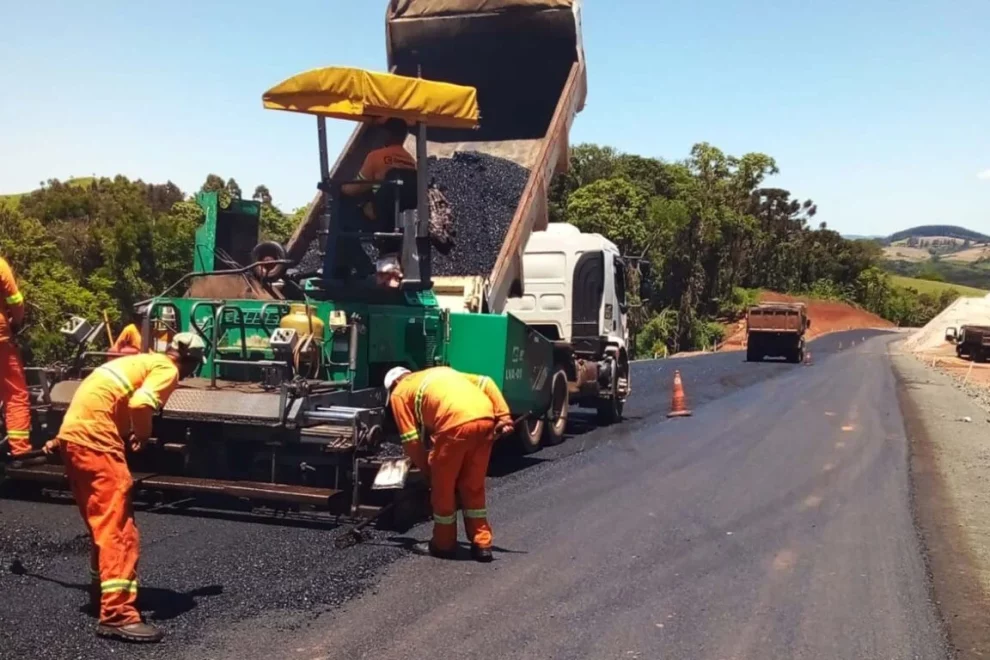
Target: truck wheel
(529,435)
(556,422)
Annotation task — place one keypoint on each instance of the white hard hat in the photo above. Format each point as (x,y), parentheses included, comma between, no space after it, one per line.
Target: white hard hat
(188,345)
(393,376)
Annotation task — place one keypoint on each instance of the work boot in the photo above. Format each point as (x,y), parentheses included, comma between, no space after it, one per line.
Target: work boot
(427,548)
(483,555)
(140,632)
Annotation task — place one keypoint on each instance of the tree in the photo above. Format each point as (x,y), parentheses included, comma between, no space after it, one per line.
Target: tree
(233,189)
(613,207)
(261,194)
(213,183)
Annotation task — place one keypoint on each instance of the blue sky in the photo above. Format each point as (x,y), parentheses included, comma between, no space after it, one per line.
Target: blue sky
(877,110)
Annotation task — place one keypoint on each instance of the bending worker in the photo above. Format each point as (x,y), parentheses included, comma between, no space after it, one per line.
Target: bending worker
(463,414)
(117,401)
(13,386)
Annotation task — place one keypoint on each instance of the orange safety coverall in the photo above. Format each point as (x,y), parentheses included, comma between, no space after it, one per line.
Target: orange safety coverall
(129,337)
(460,412)
(118,398)
(13,386)
(377,164)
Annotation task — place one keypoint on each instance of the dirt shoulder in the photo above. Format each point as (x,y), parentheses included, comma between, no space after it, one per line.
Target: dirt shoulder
(950,471)
(826,317)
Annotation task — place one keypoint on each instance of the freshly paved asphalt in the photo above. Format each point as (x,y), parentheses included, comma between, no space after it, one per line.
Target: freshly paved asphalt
(775,523)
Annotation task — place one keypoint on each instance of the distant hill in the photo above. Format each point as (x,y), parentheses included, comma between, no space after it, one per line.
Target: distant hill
(940,231)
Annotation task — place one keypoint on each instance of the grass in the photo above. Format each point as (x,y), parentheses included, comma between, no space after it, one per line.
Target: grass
(936,288)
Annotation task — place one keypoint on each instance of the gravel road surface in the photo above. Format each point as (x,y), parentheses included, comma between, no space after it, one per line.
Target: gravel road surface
(762,527)
(948,432)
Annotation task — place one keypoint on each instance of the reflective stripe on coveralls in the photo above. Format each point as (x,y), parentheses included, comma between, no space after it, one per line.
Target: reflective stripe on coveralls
(15,299)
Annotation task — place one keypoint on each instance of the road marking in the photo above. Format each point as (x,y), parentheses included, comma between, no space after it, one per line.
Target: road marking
(829,413)
(828,467)
(840,445)
(811,501)
(848,427)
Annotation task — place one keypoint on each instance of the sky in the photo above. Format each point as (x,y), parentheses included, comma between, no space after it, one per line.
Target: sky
(876,110)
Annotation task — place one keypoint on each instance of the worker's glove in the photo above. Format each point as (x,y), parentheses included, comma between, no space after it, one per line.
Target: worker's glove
(51,446)
(503,427)
(135,443)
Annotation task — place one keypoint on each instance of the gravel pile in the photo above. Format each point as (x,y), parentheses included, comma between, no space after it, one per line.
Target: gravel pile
(483,192)
(964,311)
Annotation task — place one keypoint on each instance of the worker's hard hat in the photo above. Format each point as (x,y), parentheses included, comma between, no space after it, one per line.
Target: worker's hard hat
(393,376)
(188,346)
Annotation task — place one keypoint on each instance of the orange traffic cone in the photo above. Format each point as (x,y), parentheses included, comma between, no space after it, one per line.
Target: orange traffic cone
(678,404)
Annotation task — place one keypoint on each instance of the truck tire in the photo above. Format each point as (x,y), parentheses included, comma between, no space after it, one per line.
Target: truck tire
(754,352)
(529,435)
(555,423)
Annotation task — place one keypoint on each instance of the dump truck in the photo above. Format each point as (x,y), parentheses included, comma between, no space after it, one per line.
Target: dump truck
(776,330)
(526,60)
(973,342)
(289,407)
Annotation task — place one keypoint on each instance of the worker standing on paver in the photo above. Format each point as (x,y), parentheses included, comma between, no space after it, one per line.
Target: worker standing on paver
(462,414)
(13,386)
(117,401)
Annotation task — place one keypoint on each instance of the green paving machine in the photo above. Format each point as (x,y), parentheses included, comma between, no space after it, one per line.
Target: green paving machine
(289,407)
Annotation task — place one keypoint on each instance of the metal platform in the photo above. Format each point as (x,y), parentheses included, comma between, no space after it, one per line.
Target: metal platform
(54,475)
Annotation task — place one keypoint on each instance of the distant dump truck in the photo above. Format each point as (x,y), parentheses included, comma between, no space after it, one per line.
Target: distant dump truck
(973,342)
(776,330)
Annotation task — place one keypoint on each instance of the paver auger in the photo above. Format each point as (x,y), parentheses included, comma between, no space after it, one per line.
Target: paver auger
(289,408)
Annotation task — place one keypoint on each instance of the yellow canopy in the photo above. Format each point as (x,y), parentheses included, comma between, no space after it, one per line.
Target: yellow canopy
(359,95)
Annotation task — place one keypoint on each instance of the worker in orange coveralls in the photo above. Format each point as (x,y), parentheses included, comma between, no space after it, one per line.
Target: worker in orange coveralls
(128,341)
(463,415)
(117,401)
(13,386)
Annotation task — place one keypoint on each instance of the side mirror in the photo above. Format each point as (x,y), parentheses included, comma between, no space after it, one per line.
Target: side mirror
(951,334)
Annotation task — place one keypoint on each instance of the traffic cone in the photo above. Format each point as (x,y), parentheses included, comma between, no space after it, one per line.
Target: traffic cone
(678,404)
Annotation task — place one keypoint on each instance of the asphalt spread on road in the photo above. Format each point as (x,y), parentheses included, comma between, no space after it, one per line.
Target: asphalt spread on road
(758,528)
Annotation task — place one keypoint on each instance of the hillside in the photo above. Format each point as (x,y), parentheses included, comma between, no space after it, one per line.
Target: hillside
(936,288)
(13,198)
(939,231)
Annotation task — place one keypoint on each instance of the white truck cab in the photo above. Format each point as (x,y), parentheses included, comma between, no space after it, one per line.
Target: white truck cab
(574,294)
(574,286)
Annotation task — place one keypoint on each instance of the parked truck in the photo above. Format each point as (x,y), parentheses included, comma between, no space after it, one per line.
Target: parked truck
(776,330)
(973,342)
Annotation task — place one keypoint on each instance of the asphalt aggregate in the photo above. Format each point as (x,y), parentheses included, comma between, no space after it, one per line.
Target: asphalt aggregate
(483,192)
(479,196)
(715,536)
